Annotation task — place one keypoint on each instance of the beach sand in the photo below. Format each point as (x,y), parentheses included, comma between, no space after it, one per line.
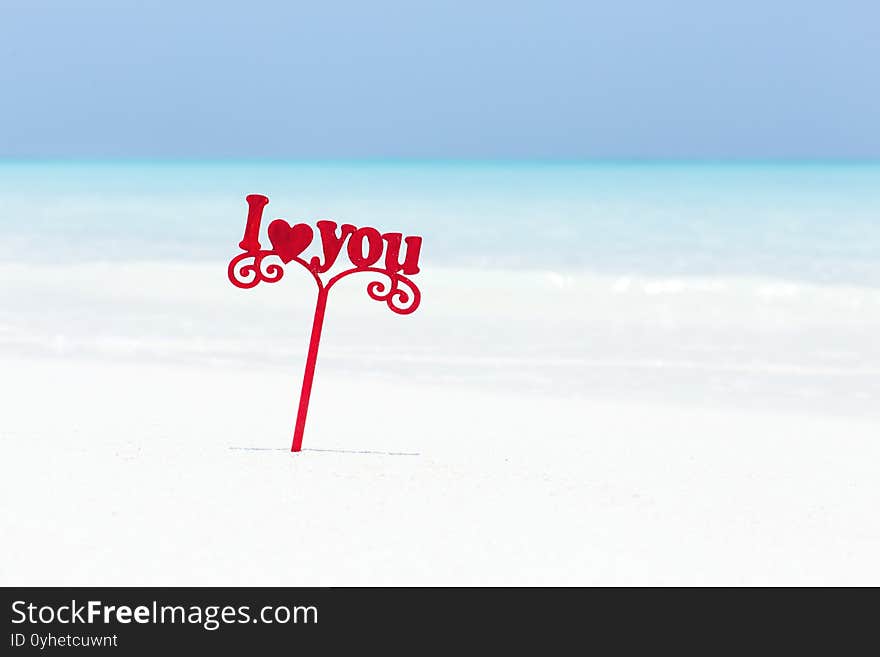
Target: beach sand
(535,427)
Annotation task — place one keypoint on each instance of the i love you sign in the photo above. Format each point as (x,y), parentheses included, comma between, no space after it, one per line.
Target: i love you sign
(390,258)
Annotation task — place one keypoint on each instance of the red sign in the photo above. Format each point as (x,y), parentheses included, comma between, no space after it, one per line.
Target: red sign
(389,255)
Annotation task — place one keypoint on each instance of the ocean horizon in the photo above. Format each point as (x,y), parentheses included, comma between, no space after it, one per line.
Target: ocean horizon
(811,221)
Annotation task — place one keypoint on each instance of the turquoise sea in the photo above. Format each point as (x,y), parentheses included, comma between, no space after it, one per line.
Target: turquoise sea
(818,222)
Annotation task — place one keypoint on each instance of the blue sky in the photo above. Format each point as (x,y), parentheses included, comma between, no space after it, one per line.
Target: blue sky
(397,79)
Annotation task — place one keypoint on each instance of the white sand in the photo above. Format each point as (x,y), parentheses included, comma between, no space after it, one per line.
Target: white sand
(555,429)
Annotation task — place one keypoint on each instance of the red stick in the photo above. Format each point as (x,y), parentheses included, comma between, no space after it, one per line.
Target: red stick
(309,374)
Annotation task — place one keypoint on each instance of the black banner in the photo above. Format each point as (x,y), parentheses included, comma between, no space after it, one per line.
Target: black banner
(241,620)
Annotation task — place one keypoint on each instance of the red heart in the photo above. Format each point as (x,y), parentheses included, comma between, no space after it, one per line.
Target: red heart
(289,241)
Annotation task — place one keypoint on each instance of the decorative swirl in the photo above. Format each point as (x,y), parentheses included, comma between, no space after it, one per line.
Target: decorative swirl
(246,275)
(397,298)
(399,293)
